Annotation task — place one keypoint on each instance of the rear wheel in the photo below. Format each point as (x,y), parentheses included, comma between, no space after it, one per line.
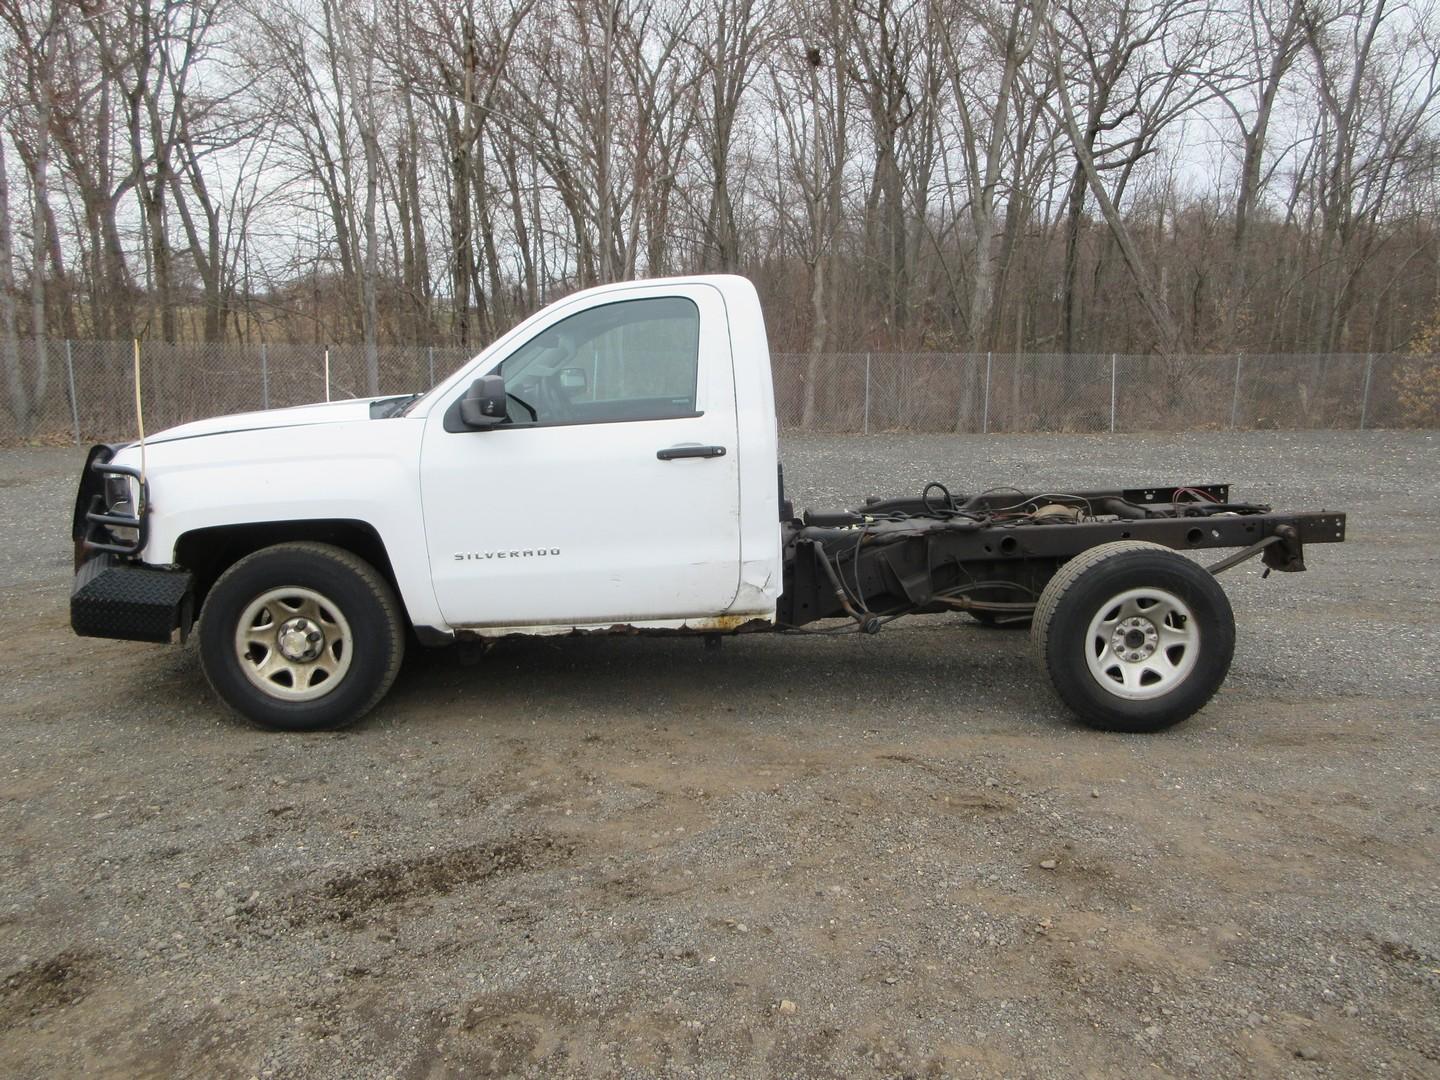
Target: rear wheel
(301,637)
(1134,636)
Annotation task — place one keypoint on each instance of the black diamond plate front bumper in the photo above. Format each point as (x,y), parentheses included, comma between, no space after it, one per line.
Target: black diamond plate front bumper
(114,599)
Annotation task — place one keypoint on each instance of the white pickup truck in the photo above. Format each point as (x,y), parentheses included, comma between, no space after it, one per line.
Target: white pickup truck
(611,465)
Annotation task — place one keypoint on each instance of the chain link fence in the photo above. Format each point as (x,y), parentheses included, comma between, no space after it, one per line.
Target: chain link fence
(985,392)
(87,391)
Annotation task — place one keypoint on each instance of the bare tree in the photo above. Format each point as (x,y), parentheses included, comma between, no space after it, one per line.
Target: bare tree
(453,60)
(661,76)
(884,39)
(1377,91)
(36,30)
(17,391)
(811,98)
(985,113)
(1136,69)
(729,38)
(1272,32)
(354,42)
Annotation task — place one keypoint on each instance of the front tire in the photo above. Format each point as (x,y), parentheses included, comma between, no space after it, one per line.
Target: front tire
(1134,636)
(301,637)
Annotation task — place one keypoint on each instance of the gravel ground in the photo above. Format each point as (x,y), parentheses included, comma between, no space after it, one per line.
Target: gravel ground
(888,856)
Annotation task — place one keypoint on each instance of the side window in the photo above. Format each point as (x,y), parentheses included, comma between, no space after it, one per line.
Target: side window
(632,360)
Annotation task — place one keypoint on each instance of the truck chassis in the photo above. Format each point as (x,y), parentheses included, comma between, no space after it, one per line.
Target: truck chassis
(993,554)
(1134,636)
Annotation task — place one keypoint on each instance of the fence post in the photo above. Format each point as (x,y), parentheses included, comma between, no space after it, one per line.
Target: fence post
(1112,393)
(75,407)
(264,377)
(867,393)
(1235,394)
(430,363)
(1365,398)
(327,372)
(985,417)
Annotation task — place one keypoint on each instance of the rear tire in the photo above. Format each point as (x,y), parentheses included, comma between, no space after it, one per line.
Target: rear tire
(301,637)
(1134,636)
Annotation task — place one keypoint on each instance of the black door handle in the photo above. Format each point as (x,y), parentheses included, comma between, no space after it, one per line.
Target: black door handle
(673,452)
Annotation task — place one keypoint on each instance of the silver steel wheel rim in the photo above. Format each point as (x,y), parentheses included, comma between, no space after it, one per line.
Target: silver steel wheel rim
(1142,644)
(293,644)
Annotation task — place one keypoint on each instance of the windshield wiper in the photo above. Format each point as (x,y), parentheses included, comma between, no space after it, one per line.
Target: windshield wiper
(385,408)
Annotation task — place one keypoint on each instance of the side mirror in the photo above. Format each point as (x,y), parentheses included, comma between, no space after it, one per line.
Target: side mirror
(483,405)
(573,380)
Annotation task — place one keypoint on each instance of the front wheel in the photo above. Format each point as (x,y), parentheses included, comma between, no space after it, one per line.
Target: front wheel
(301,637)
(1134,636)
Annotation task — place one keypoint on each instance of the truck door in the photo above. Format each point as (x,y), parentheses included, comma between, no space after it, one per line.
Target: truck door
(611,493)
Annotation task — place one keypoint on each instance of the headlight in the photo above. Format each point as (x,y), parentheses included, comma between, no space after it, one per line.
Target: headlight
(120,498)
(119,494)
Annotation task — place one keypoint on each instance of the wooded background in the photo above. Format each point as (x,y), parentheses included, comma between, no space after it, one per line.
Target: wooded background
(1055,176)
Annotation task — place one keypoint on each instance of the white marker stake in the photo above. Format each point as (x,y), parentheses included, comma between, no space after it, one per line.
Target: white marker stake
(327,374)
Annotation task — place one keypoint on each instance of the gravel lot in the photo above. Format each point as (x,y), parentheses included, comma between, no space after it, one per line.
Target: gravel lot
(888,856)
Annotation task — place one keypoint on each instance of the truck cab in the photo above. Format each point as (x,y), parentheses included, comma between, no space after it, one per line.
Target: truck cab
(623,477)
(624,474)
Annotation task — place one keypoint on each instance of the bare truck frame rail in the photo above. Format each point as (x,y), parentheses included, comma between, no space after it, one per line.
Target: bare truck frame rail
(986,553)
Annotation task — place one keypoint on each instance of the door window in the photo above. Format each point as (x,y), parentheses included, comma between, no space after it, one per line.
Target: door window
(632,360)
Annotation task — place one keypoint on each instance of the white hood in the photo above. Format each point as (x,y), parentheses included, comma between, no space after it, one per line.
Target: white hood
(330,412)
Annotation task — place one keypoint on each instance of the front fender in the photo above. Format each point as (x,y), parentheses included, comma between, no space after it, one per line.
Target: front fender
(364,471)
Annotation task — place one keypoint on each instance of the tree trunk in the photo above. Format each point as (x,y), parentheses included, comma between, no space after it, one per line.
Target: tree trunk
(19,397)
(40,250)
